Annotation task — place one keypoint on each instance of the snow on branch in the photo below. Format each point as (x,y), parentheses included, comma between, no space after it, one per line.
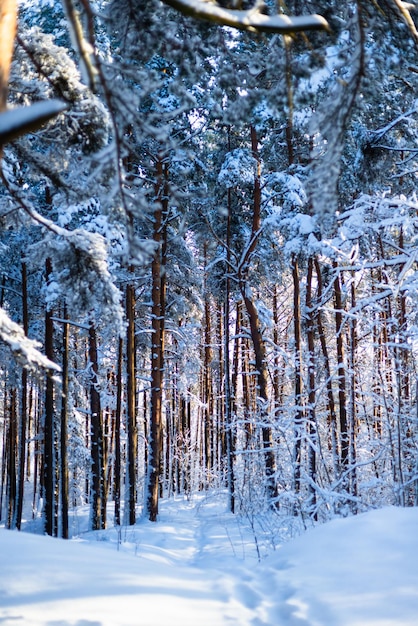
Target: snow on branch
(252,19)
(22,120)
(24,350)
(329,125)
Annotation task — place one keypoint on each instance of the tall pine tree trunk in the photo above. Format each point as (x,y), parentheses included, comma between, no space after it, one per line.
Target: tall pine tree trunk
(23,408)
(157,341)
(311,413)
(64,429)
(49,424)
(299,415)
(118,419)
(132,433)
(256,333)
(341,375)
(98,500)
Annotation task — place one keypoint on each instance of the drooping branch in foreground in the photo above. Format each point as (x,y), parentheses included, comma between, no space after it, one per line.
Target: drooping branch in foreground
(252,19)
(24,350)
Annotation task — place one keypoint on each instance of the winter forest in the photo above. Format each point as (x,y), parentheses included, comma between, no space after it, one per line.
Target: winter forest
(209,260)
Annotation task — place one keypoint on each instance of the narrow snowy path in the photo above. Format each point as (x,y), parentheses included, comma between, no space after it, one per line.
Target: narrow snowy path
(198,566)
(179,572)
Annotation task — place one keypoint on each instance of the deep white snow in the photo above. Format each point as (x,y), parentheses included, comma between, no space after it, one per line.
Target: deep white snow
(198,566)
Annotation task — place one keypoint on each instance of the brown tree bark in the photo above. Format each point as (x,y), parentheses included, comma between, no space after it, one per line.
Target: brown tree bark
(132,432)
(23,407)
(157,342)
(311,412)
(12,442)
(332,414)
(64,429)
(299,412)
(341,376)
(98,500)
(118,416)
(49,424)
(8,9)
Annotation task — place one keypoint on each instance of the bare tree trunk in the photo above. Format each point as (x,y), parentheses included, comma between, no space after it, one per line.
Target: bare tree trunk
(7,32)
(64,429)
(157,344)
(207,384)
(227,373)
(132,433)
(49,424)
(312,429)
(23,408)
(342,393)
(332,414)
(98,503)
(299,414)
(353,404)
(256,333)
(11,461)
(118,415)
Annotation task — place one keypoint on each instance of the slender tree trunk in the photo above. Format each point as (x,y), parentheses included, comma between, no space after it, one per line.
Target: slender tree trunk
(98,501)
(207,384)
(157,343)
(299,414)
(118,415)
(312,428)
(342,393)
(256,333)
(23,408)
(49,424)
(332,414)
(132,432)
(227,373)
(353,403)
(64,429)
(12,454)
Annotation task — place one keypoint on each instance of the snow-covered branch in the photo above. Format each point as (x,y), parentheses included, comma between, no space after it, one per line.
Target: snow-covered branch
(252,19)
(22,120)
(24,350)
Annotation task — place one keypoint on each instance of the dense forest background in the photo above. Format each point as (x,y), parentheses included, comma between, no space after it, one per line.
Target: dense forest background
(215,244)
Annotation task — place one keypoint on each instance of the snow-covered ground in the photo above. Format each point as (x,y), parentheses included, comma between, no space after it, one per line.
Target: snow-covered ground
(198,566)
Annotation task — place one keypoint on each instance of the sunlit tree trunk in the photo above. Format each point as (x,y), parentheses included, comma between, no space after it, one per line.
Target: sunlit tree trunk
(8,10)
(157,341)
(227,373)
(11,458)
(311,412)
(98,500)
(341,375)
(332,414)
(207,384)
(132,434)
(64,429)
(256,333)
(299,413)
(353,403)
(23,407)
(118,420)
(49,424)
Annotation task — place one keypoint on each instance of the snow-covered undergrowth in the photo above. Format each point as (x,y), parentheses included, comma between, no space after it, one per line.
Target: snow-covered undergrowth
(200,566)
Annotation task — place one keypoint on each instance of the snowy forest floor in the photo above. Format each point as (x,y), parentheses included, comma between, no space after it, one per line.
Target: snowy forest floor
(201,566)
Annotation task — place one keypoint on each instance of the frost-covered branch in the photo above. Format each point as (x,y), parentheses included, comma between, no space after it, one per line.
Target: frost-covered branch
(80,44)
(22,120)
(252,19)
(80,262)
(404,8)
(329,126)
(24,350)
